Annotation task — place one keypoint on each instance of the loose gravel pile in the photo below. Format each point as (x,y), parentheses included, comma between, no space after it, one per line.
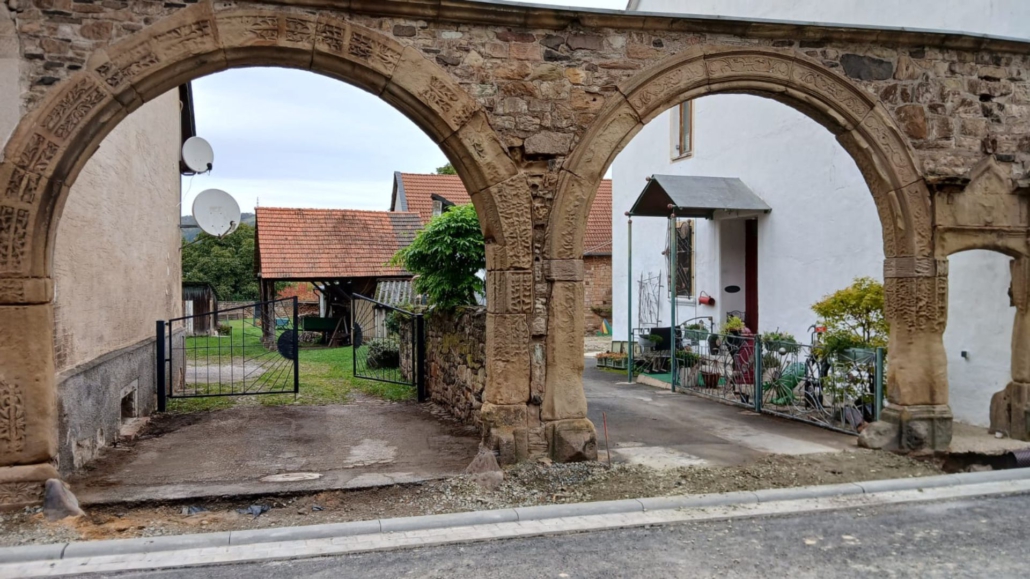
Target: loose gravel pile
(524,485)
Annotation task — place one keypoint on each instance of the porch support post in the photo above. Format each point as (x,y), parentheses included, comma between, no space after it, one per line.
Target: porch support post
(916,304)
(672,298)
(1011,406)
(28,407)
(629,298)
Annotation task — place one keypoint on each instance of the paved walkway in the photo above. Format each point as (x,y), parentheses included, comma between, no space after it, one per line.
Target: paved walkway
(248,450)
(659,428)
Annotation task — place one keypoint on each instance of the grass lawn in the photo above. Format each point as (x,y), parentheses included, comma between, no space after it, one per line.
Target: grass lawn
(326,376)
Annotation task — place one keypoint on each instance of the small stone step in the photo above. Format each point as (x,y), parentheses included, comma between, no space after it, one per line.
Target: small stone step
(131,428)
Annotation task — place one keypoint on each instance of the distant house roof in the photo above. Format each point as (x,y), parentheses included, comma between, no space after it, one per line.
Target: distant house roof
(414,192)
(690,196)
(395,292)
(314,244)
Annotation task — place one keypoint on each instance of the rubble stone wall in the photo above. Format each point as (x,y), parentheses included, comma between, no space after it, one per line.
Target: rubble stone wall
(456,362)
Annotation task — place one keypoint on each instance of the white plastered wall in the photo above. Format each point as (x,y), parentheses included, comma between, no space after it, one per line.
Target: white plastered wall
(116,258)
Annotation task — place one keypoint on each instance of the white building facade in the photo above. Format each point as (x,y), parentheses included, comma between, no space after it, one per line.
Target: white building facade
(823,230)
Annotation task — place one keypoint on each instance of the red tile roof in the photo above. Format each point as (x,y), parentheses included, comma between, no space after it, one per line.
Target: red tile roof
(331,243)
(419,189)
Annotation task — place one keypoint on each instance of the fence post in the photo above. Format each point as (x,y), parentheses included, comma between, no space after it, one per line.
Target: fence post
(296,350)
(162,402)
(878,395)
(420,357)
(758,373)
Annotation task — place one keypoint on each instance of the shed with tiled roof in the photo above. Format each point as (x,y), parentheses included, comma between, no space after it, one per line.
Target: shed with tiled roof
(323,244)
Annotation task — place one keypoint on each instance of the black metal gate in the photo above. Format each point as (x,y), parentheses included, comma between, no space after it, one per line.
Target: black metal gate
(388,343)
(254,351)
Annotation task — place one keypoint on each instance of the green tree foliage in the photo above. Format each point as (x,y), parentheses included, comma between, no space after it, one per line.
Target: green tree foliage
(854,316)
(445,258)
(226,263)
(447,169)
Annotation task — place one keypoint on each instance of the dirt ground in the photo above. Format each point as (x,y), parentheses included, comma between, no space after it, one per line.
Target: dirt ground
(525,485)
(244,450)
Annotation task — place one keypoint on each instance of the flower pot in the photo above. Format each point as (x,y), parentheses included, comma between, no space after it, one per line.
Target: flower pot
(710,379)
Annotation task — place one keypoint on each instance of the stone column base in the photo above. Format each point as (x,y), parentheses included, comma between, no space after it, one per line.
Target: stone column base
(23,486)
(1010,411)
(910,429)
(571,440)
(506,431)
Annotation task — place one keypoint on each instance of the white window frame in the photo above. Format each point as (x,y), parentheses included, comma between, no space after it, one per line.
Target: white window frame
(683,139)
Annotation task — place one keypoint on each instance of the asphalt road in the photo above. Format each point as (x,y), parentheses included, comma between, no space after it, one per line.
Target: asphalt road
(967,538)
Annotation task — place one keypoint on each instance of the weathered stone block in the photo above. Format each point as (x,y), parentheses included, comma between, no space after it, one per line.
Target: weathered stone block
(429,95)
(548,143)
(572,441)
(507,359)
(862,67)
(28,432)
(509,292)
(563,396)
(58,501)
(480,157)
(360,56)
(263,36)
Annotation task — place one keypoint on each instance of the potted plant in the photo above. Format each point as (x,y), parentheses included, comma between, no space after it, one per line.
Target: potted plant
(695,332)
(732,328)
(655,340)
(781,342)
(617,360)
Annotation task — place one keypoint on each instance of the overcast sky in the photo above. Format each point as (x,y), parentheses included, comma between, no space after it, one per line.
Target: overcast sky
(290,138)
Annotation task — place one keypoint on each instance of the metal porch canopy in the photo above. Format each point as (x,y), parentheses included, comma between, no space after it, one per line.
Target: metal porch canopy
(699,197)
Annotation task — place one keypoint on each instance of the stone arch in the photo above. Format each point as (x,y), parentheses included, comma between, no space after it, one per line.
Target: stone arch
(52,143)
(915,286)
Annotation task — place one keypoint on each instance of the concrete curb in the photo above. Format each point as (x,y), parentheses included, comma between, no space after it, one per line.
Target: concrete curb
(79,550)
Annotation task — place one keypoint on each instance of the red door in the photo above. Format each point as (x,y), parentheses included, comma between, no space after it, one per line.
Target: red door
(751,274)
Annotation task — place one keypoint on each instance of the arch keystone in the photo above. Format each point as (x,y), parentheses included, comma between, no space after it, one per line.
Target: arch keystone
(266,37)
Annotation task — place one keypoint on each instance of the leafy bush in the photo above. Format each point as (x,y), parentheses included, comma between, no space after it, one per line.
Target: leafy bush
(446,257)
(224,330)
(393,322)
(854,317)
(382,354)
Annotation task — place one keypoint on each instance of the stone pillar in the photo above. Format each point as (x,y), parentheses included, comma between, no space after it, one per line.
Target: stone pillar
(28,408)
(570,435)
(506,395)
(918,417)
(1010,408)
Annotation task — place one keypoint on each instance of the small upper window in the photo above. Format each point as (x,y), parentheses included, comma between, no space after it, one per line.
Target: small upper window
(683,130)
(437,207)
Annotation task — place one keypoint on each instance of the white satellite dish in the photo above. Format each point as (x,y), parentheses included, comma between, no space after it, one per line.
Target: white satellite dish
(216,212)
(198,155)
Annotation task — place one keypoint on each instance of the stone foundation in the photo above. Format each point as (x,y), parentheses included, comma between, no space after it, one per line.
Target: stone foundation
(23,486)
(910,429)
(1010,411)
(94,397)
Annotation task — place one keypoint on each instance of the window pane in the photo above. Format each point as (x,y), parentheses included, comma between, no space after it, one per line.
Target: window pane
(685,128)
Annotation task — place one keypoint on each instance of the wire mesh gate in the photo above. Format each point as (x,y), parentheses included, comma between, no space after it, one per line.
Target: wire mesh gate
(257,354)
(388,344)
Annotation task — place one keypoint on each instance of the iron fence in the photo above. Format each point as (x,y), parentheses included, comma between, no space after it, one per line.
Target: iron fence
(388,344)
(720,366)
(240,357)
(839,390)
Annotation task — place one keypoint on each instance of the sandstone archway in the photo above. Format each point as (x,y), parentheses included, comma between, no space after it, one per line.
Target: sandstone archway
(915,282)
(52,144)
